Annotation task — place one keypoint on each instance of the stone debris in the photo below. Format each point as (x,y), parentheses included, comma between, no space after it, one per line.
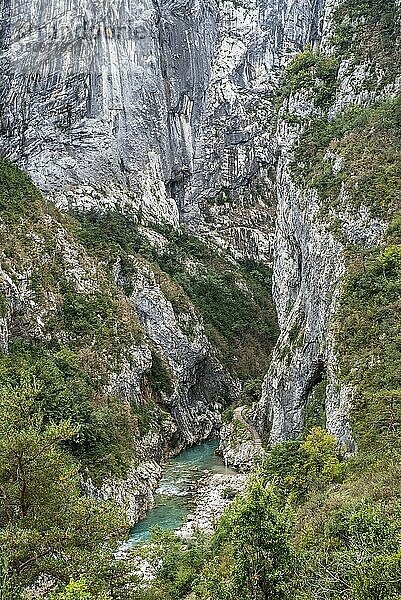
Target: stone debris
(214,494)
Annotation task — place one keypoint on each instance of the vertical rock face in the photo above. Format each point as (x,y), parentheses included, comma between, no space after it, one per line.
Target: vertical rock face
(232,194)
(309,263)
(99,98)
(165,107)
(161,106)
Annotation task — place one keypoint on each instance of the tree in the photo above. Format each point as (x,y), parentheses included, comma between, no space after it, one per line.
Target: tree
(321,459)
(75,590)
(46,526)
(255,533)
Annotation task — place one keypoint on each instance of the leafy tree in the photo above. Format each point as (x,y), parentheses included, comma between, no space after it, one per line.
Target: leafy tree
(321,458)
(75,590)
(46,526)
(254,533)
(296,467)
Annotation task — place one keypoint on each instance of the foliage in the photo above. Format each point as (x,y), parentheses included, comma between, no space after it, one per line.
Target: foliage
(105,428)
(75,590)
(111,234)
(234,301)
(368,339)
(18,196)
(367,31)
(46,526)
(4,304)
(315,409)
(366,145)
(160,377)
(254,533)
(177,564)
(300,466)
(312,71)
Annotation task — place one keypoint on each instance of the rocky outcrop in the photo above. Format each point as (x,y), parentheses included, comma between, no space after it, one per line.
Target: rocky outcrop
(134,492)
(121,85)
(161,107)
(214,494)
(305,298)
(240,443)
(231,195)
(201,386)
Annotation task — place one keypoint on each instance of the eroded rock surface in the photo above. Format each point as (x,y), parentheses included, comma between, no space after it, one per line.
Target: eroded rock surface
(163,107)
(215,493)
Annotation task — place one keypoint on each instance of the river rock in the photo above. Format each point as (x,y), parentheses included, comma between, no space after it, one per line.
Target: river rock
(215,493)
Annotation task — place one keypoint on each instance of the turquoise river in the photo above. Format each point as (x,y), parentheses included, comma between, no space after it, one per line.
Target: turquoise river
(174,495)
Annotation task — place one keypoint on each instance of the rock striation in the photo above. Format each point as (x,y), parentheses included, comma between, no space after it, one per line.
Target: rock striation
(165,109)
(160,106)
(309,259)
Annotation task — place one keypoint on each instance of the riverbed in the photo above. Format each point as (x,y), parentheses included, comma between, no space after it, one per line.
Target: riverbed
(175,495)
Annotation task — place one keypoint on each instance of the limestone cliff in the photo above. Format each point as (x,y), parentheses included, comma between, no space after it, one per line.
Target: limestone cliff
(105,345)
(319,220)
(165,112)
(161,106)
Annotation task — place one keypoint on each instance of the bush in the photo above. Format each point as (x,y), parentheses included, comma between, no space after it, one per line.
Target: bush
(300,466)
(312,71)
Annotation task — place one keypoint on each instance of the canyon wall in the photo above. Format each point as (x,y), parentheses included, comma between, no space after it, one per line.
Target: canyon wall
(163,107)
(166,110)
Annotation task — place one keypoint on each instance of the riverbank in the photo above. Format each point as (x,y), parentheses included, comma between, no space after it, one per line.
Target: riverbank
(178,490)
(214,494)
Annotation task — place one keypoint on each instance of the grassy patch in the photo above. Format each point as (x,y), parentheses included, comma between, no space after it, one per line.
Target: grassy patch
(367,31)
(314,72)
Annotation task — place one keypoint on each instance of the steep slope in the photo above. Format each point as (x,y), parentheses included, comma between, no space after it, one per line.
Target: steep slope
(159,106)
(94,308)
(141,333)
(135,120)
(321,516)
(338,190)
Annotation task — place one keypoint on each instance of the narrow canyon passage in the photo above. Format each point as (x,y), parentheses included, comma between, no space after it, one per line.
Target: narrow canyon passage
(174,498)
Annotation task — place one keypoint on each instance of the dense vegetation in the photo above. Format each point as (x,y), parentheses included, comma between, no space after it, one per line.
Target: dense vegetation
(47,526)
(72,329)
(312,525)
(234,299)
(357,152)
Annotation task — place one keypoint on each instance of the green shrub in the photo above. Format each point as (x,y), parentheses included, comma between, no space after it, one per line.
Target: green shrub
(312,71)
(4,305)
(110,234)
(373,133)
(298,467)
(160,377)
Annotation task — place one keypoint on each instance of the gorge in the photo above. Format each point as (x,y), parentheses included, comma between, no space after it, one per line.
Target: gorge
(200,236)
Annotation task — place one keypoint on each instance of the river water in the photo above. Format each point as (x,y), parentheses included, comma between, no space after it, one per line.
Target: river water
(175,492)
